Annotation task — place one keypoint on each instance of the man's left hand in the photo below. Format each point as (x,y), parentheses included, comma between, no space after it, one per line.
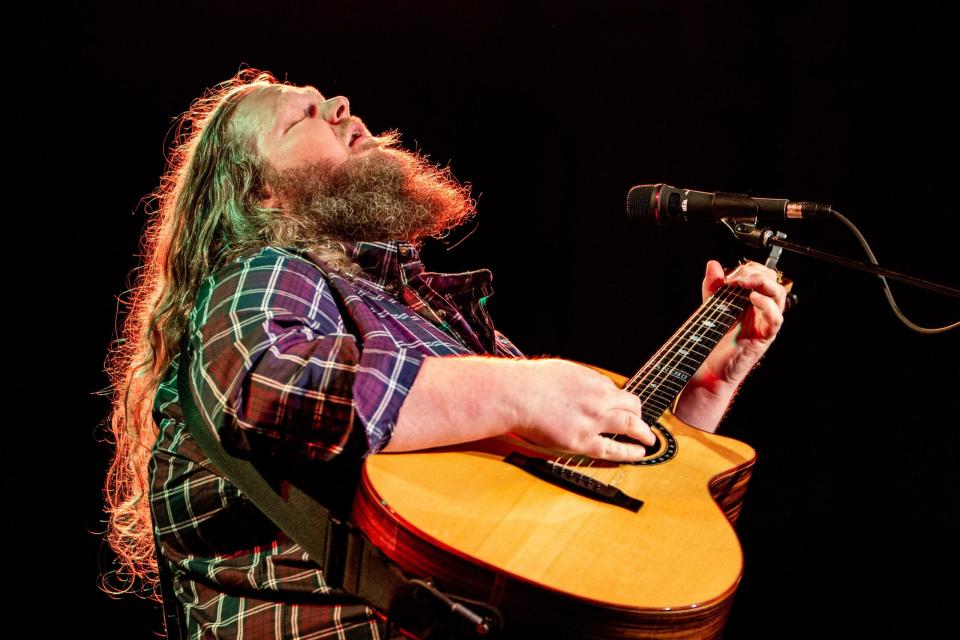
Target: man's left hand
(760,323)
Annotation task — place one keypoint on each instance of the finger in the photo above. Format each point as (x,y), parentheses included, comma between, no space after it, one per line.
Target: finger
(749,269)
(616,451)
(626,401)
(631,425)
(712,279)
(770,311)
(762,280)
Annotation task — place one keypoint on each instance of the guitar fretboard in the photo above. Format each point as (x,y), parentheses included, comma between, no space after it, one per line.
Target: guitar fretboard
(663,377)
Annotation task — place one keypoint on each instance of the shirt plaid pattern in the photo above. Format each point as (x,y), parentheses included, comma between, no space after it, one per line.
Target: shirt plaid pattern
(295,364)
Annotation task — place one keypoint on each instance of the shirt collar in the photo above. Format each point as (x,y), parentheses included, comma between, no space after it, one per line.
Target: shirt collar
(385,263)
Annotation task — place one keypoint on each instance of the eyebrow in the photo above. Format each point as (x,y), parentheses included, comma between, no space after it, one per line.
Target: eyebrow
(286,97)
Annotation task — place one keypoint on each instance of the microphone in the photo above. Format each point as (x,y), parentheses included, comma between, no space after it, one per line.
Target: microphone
(663,204)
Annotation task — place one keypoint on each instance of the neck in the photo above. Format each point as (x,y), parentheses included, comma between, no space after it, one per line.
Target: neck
(663,377)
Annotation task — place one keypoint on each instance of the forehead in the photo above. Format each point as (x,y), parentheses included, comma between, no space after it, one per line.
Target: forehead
(264,108)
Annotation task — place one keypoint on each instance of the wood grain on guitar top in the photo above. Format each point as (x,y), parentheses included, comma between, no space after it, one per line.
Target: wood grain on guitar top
(556,561)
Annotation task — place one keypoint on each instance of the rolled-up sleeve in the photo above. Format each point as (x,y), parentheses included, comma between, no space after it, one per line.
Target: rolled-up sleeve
(275,372)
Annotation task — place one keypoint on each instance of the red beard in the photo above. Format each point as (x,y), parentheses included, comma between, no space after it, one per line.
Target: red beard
(384,193)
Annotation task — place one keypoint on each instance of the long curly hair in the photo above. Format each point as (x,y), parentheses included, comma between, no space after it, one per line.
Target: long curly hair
(205,212)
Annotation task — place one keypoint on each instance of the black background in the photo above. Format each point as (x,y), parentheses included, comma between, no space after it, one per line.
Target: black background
(552,111)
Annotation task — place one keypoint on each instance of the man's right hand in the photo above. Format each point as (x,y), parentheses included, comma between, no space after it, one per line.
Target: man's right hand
(569,405)
(551,402)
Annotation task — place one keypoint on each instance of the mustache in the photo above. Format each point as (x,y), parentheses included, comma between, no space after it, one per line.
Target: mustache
(383,193)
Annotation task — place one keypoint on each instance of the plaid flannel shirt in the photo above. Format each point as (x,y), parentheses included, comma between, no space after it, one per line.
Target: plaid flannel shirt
(295,365)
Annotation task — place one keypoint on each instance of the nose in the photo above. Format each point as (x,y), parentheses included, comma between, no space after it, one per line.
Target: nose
(335,109)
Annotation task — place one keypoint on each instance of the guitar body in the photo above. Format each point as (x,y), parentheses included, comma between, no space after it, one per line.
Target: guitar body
(561,563)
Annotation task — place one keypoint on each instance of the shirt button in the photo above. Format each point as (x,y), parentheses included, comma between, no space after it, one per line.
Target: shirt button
(404,251)
(441,314)
(390,288)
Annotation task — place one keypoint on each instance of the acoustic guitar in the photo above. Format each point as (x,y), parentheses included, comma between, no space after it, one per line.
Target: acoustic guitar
(568,546)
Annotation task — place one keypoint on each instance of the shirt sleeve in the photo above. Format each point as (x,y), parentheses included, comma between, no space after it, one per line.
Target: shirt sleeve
(275,372)
(505,346)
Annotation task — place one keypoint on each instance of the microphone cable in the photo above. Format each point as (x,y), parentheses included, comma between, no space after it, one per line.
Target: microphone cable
(886,287)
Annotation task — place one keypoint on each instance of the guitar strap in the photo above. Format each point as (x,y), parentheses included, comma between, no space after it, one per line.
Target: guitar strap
(173,616)
(351,564)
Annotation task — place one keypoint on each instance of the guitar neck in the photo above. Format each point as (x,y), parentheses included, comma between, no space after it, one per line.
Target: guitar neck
(663,377)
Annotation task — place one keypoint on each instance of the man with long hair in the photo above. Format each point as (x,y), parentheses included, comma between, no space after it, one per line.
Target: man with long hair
(285,246)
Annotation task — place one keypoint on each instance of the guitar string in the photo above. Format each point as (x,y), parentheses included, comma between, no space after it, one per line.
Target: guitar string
(717,308)
(649,387)
(691,333)
(685,340)
(723,296)
(570,462)
(710,310)
(719,296)
(687,332)
(650,383)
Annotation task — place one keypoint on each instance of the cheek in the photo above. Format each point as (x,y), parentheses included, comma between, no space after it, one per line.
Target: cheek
(320,146)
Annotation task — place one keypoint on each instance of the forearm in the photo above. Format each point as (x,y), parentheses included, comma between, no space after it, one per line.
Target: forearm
(707,396)
(554,403)
(460,399)
(703,405)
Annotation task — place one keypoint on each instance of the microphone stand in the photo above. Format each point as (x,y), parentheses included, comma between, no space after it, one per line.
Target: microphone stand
(746,231)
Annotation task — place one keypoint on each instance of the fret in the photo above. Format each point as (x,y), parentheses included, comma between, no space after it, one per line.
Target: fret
(656,407)
(724,309)
(658,375)
(664,376)
(725,317)
(665,392)
(687,363)
(706,323)
(660,396)
(656,402)
(673,357)
(654,388)
(709,329)
(694,349)
(731,310)
(672,361)
(666,387)
(662,379)
(673,369)
(650,416)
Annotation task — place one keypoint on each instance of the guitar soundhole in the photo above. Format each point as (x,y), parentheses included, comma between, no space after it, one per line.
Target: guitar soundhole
(664,448)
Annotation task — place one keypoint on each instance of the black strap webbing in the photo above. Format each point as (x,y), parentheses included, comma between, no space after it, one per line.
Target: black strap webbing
(349,562)
(173,617)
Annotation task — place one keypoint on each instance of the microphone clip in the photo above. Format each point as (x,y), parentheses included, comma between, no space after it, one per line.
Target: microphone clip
(745,230)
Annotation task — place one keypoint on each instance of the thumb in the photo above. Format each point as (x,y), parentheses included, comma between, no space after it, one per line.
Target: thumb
(712,279)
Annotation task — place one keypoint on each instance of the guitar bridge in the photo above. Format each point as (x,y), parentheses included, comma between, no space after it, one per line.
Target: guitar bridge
(575,481)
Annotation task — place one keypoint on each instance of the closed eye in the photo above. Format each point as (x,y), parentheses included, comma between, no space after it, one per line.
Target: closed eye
(309,112)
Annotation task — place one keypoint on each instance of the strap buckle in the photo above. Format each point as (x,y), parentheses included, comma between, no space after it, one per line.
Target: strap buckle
(354,565)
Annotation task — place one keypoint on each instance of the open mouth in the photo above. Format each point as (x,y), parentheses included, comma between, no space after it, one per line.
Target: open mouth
(357,135)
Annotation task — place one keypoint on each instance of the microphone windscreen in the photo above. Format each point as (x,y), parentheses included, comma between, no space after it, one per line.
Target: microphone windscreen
(638,203)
